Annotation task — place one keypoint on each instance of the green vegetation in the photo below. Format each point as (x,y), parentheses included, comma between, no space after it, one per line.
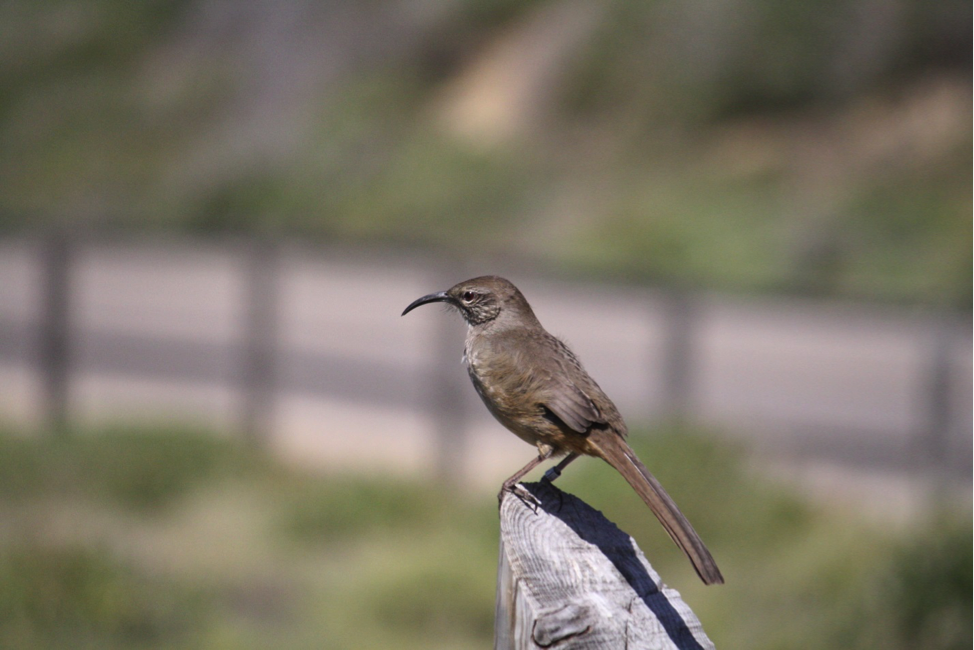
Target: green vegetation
(158,539)
(72,595)
(759,146)
(144,472)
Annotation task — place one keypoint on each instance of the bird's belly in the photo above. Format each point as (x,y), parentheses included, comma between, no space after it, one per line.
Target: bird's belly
(500,405)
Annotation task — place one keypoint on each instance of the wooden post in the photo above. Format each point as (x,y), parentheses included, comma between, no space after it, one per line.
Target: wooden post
(54,330)
(933,440)
(448,403)
(569,578)
(449,386)
(678,354)
(260,334)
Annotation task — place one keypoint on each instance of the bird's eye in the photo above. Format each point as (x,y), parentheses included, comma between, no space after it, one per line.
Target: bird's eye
(467,296)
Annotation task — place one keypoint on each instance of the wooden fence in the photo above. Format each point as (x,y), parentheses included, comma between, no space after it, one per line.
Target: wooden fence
(689,350)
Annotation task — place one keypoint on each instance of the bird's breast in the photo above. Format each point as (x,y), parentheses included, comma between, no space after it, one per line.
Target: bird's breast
(500,385)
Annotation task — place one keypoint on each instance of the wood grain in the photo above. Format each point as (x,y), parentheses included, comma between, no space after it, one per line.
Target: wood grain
(569,578)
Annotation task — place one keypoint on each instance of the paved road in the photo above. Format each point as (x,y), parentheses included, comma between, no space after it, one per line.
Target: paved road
(158,331)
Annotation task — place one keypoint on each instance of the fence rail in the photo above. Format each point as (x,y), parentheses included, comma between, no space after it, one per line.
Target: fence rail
(269,320)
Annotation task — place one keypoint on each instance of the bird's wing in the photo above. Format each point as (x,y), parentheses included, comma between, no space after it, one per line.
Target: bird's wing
(565,398)
(570,405)
(559,384)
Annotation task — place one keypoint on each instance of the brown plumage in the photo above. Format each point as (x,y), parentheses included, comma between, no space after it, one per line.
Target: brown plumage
(533,384)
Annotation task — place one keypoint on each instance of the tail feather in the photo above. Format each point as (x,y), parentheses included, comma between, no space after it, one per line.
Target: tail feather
(617,453)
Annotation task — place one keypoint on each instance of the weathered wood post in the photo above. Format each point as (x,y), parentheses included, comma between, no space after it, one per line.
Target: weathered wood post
(55,329)
(679,349)
(448,403)
(931,448)
(569,578)
(257,371)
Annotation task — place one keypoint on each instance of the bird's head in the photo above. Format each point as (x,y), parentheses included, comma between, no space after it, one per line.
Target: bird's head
(481,300)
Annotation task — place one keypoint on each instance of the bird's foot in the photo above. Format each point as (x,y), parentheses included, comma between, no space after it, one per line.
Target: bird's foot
(521,493)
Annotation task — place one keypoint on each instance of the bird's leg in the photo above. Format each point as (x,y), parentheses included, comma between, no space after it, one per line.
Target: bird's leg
(555,471)
(510,485)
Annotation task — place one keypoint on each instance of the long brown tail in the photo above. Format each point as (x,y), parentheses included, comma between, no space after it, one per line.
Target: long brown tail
(617,453)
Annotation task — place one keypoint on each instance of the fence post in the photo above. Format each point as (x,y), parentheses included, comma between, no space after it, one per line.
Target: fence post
(679,317)
(261,259)
(448,396)
(568,578)
(448,407)
(933,436)
(54,329)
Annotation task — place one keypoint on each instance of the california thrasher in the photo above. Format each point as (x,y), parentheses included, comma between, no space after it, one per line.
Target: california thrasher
(533,384)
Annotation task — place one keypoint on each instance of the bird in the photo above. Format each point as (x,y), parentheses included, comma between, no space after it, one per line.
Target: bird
(535,386)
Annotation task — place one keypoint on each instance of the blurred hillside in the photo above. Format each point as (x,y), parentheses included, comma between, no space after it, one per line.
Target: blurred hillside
(819,148)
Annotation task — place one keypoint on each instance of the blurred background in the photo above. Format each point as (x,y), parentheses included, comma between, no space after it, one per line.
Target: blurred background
(750,219)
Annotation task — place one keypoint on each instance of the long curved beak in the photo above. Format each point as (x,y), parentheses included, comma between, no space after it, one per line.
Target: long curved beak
(441,296)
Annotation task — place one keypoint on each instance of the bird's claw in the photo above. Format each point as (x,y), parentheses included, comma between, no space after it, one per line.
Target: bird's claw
(521,493)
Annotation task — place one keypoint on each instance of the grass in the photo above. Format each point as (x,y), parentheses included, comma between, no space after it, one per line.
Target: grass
(176,539)
(143,472)
(78,596)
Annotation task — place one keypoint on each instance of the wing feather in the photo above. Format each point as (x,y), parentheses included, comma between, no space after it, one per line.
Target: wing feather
(573,407)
